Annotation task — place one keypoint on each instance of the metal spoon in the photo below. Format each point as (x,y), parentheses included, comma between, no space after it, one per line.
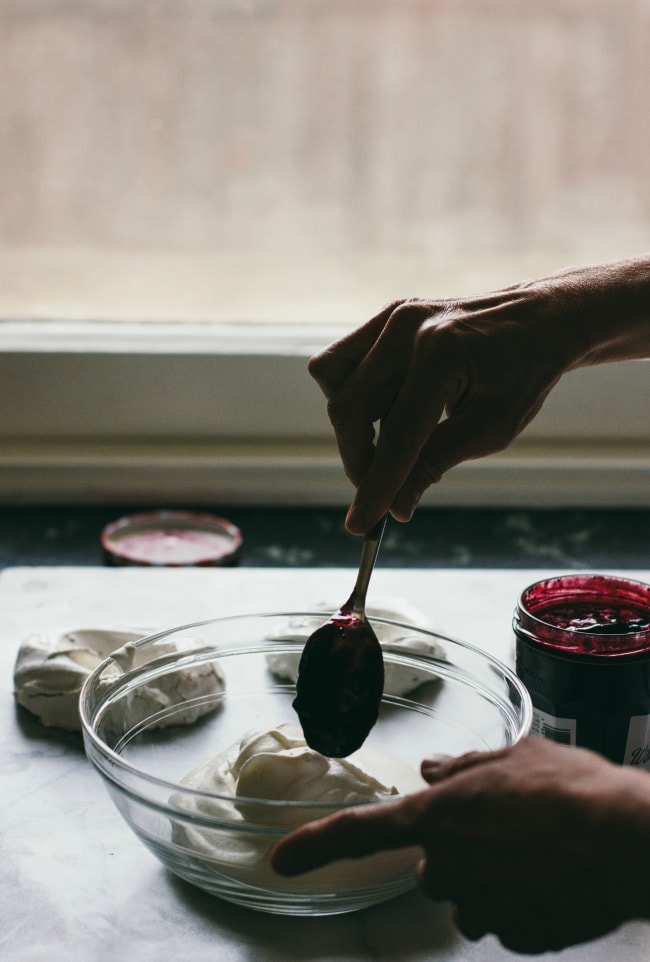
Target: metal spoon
(341,673)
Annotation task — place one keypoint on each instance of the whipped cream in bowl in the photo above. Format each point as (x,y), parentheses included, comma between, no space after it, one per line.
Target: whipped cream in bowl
(277,766)
(211,799)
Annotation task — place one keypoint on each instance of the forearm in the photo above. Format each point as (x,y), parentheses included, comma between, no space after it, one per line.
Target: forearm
(611,309)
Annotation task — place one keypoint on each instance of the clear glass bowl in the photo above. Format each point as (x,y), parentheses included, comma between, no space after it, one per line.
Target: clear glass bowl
(152,712)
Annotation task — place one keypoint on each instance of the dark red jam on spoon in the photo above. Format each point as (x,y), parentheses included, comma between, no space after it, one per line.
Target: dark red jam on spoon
(341,674)
(340,685)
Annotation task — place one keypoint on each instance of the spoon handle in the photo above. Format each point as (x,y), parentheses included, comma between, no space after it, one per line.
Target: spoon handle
(369,551)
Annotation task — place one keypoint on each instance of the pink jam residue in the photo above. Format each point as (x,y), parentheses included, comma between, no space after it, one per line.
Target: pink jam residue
(173,546)
(173,539)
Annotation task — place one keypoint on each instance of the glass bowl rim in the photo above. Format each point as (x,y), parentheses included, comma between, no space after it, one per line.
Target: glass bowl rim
(117,761)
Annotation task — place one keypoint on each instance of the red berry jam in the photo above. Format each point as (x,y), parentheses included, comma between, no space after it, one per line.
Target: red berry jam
(583,652)
(592,615)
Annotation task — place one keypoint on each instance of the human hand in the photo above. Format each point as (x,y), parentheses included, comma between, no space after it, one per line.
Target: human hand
(543,845)
(486,362)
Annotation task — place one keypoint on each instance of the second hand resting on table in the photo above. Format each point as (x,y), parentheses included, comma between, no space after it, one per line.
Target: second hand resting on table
(543,845)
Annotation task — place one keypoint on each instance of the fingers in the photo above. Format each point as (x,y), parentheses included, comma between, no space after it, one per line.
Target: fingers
(475,430)
(462,437)
(474,360)
(481,418)
(336,371)
(403,369)
(333,366)
(349,834)
(440,767)
(367,829)
(404,433)
(473,924)
(362,375)
(424,383)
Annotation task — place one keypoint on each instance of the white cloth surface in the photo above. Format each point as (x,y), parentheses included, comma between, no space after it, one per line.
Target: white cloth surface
(76,883)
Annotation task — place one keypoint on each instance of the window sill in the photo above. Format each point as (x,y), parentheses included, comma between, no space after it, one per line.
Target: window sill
(177,413)
(293,473)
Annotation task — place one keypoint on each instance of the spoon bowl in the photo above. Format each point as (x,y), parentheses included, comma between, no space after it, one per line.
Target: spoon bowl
(341,673)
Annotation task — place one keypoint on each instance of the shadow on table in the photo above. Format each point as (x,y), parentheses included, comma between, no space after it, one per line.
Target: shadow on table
(56,739)
(403,927)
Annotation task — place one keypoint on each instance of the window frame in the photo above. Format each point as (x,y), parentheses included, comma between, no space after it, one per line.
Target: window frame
(227,414)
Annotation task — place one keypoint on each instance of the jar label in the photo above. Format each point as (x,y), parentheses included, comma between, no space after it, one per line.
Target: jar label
(637,749)
(561,730)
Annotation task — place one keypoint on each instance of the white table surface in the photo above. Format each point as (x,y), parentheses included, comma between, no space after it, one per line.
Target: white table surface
(75,883)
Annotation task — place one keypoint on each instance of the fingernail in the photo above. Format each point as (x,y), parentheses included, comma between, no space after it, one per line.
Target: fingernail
(355,521)
(433,763)
(406,502)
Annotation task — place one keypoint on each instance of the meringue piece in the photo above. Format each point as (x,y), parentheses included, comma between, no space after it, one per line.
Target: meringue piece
(191,687)
(50,671)
(278,766)
(398,679)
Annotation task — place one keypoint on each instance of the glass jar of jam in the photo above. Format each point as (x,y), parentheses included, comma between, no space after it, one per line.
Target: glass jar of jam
(583,652)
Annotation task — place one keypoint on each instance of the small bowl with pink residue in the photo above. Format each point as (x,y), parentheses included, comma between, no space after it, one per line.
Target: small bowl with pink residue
(172,539)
